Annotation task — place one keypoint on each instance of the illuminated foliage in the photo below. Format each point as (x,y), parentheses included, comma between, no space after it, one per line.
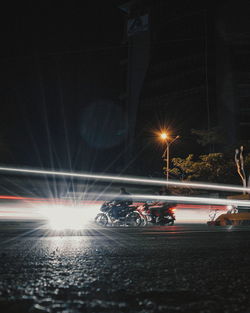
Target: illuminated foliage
(213,167)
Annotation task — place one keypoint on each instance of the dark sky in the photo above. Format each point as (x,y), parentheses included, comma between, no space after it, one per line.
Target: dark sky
(60,81)
(59,84)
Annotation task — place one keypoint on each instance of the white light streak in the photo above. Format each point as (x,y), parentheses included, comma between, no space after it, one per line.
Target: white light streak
(193,200)
(127,179)
(67,216)
(183,199)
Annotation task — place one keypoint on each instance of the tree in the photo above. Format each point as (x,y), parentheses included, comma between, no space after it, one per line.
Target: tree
(212,167)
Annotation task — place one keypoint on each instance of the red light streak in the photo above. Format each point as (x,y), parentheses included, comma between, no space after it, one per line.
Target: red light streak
(67,201)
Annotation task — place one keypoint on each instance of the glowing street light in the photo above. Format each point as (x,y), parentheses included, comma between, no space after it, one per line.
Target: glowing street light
(164,136)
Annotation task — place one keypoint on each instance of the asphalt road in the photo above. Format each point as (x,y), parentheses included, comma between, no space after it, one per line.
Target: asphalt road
(190,268)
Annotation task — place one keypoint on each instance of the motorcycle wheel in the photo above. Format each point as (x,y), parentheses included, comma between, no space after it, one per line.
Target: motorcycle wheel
(144,221)
(133,219)
(171,223)
(101,219)
(166,222)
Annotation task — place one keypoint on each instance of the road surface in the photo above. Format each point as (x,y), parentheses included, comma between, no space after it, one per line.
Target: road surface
(184,268)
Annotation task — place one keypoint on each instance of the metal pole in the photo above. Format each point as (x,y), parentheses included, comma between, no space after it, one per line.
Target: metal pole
(166,153)
(168,160)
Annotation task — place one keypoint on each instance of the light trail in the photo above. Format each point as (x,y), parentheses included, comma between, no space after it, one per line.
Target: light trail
(127,179)
(199,200)
(62,213)
(68,202)
(141,198)
(53,200)
(181,206)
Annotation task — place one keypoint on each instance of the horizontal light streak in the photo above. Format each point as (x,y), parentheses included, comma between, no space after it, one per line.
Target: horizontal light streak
(141,198)
(199,200)
(127,179)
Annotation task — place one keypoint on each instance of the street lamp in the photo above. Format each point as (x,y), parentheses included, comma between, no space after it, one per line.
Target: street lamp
(164,136)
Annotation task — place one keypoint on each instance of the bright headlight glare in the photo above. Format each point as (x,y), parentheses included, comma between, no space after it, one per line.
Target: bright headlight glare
(60,217)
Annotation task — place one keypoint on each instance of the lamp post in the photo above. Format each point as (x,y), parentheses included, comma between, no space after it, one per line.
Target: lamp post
(169,141)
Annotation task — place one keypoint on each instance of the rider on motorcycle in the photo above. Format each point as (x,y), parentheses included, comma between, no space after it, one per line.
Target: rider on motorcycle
(122,201)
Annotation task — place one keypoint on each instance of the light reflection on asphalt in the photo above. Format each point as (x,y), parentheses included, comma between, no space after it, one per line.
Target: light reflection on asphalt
(184,268)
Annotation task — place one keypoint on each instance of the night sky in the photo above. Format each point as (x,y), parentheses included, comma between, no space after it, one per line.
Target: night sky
(60,82)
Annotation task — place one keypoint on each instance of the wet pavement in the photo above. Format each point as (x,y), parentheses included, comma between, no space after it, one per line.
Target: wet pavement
(176,269)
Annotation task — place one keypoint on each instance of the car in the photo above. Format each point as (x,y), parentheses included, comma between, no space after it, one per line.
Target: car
(235,216)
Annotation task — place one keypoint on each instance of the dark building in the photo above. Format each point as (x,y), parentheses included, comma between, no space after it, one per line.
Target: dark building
(187,67)
(233,70)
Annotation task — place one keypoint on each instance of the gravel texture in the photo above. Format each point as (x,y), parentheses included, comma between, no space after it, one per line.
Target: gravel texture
(126,270)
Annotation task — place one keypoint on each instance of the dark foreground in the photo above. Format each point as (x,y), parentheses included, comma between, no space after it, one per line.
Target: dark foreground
(178,269)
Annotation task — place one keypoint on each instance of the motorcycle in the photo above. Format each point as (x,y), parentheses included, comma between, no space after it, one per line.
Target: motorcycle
(161,214)
(127,216)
